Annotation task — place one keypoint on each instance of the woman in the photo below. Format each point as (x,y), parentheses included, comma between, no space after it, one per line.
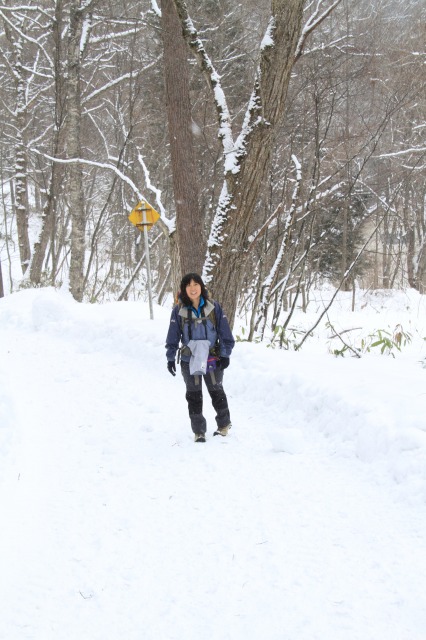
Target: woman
(200,323)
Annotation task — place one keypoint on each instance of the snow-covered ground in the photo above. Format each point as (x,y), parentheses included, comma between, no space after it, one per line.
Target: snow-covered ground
(307,523)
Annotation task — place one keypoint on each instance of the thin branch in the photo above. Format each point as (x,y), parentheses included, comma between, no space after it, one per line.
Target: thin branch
(312,23)
(27,38)
(339,335)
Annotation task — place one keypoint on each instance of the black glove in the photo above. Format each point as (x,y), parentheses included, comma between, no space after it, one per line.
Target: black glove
(223,362)
(171,366)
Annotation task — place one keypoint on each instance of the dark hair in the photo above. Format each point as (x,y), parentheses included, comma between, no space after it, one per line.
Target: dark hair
(185,282)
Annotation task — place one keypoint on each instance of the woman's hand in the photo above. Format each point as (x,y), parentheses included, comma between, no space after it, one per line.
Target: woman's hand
(171,366)
(223,362)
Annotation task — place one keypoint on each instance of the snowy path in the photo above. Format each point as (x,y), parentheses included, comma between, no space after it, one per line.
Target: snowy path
(115,525)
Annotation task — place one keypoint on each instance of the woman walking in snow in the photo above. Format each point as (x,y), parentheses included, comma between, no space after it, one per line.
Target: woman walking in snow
(207,342)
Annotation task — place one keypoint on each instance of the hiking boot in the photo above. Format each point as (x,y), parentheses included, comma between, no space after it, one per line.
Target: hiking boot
(222,431)
(200,437)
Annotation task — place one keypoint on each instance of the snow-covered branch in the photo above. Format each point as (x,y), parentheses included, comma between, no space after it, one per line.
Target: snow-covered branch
(312,23)
(113,83)
(216,237)
(153,188)
(17,8)
(155,8)
(113,36)
(26,37)
(402,153)
(213,79)
(110,167)
(88,5)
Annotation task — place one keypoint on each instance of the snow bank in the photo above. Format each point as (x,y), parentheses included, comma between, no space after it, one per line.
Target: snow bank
(371,408)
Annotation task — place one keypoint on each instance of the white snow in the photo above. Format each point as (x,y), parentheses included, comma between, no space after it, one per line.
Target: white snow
(307,523)
(268,38)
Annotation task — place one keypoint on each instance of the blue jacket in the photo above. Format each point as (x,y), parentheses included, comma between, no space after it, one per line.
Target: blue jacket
(202,328)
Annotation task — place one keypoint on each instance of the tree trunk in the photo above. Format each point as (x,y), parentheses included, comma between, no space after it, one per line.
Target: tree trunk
(21,171)
(420,268)
(48,225)
(241,190)
(189,226)
(57,175)
(410,236)
(76,197)
(1,283)
(21,196)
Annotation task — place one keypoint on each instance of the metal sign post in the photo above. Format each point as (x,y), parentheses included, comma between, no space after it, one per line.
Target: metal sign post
(148,264)
(143,216)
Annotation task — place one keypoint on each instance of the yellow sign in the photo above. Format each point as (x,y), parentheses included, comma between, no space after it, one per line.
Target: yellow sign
(143,215)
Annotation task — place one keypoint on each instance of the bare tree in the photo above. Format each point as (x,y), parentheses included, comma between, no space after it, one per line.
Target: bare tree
(14,26)
(79,17)
(55,181)
(353,118)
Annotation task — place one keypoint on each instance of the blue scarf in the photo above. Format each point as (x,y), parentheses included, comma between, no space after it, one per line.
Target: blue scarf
(198,311)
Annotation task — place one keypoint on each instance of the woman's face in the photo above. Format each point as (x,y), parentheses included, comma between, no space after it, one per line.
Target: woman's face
(193,291)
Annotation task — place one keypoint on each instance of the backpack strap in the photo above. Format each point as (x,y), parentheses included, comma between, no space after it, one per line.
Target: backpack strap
(189,320)
(213,314)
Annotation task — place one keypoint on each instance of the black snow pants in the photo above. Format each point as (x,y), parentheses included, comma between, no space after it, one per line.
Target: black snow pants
(194,397)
